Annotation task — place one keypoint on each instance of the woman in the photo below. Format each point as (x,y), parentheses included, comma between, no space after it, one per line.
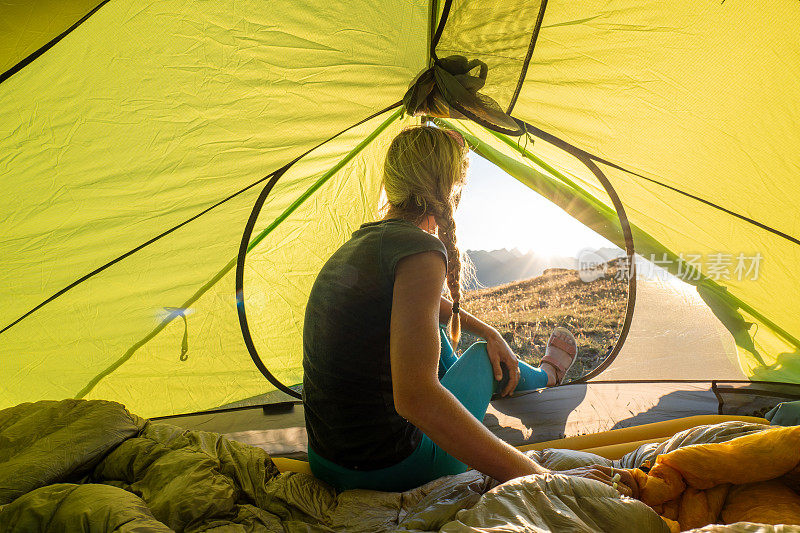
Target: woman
(377,414)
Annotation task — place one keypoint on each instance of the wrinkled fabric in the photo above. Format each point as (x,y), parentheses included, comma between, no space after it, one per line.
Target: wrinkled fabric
(697,435)
(554,502)
(49,442)
(768,502)
(691,486)
(758,457)
(163,478)
(102,508)
(188,477)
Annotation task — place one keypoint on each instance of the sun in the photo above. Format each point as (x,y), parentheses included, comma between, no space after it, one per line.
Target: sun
(497,211)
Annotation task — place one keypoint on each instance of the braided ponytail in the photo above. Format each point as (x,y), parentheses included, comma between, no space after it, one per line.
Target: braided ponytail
(424,171)
(447,234)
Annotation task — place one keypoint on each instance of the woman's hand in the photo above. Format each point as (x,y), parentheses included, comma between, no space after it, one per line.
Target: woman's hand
(500,352)
(626,485)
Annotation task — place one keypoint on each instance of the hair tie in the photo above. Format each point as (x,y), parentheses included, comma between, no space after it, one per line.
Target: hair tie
(455,308)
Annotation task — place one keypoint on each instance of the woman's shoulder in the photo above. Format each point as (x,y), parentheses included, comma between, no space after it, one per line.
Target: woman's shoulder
(404,233)
(401,239)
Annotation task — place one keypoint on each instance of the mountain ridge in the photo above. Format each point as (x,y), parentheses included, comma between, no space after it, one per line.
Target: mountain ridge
(503,265)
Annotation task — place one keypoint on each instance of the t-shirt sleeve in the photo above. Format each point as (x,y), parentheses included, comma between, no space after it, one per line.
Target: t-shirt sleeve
(401,241)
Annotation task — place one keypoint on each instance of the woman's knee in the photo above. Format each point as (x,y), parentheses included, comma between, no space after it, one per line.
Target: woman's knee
(477,356)
(480,353)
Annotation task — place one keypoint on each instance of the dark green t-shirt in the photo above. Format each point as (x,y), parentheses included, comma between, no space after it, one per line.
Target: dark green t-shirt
(347,385)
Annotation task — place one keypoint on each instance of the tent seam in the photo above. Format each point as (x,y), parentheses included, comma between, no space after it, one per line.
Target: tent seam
(44,48)
(131,252)
(549,137)
(181,224)
(524,70)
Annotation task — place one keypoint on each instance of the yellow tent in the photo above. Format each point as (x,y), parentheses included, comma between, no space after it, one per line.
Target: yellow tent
(138,139)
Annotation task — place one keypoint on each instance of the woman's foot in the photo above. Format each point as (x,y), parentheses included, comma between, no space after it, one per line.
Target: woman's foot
(559,356)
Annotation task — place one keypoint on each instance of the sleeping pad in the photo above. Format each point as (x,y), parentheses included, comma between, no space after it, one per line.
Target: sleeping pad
(91,466)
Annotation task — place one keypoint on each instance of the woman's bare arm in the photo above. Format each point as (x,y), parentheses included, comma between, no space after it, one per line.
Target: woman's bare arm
(418,395)
(423,401)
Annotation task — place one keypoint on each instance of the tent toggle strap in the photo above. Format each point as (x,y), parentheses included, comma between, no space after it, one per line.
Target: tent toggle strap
(449,89)
(181,312)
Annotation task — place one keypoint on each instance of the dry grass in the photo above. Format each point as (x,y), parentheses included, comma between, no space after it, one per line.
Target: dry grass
(525,312)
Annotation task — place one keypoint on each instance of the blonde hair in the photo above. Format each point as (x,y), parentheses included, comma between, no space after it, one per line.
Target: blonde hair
(424,173)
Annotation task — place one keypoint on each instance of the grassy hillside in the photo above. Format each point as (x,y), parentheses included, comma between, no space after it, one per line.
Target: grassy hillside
(525,312)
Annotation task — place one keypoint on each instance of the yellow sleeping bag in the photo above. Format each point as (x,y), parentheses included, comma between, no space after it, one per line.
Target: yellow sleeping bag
(743,479)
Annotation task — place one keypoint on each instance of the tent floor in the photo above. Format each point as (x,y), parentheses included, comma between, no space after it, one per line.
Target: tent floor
(548,414)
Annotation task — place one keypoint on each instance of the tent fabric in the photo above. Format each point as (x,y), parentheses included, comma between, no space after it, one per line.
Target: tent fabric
(164,120)
(149,357)
(700,97)
(121,150)
(27,28)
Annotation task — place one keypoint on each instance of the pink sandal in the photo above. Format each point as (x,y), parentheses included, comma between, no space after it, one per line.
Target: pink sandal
(562,359)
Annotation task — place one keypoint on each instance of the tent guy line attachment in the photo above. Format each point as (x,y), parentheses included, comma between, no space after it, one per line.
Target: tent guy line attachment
(181,312)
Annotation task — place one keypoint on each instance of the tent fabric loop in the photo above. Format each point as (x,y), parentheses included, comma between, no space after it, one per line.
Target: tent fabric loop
(181,312)
(449,89)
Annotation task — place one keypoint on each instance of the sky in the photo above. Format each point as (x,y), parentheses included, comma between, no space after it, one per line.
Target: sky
(497,211)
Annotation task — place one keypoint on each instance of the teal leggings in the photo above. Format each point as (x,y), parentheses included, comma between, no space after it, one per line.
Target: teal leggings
(471,380)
